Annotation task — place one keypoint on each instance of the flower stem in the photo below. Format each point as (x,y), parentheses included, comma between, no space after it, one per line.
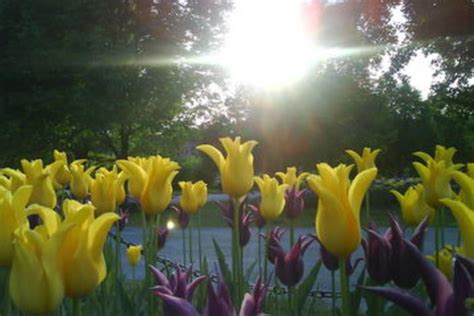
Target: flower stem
(292,233)
(265,258)
(117,249)
(442,226)
(367,208)
(259,252)
(290,298)
(190,231)
(237,251)
(333,293)
(437,237)
(344,288)
(76,307)
(199,241)
(184,245)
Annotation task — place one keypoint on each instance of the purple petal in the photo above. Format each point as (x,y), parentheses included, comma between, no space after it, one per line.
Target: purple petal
(160,278)
(438,286)
(175,306)
(249,306)
(463,287)
(410,303)
(192,286)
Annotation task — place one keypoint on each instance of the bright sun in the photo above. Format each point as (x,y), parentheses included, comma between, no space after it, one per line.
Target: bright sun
(266,45)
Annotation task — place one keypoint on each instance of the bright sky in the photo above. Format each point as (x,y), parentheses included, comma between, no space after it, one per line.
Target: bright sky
(266,47)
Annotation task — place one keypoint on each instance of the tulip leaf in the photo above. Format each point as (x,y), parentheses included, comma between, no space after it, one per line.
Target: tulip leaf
(249,271)
(202,290)
(357,293)
(224,267)
(127,306)
(306,286)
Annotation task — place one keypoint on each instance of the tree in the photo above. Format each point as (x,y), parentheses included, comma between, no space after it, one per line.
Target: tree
(98,75)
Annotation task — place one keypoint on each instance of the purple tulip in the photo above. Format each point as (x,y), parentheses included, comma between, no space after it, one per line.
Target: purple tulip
(176,292)
(289,267)
(123,220)
(252,304)
(219,302)
(244,223)
(404,272)
(331,262)
(183,217)
(294,205)
(378,255)
(161,235)
(257,216)
(274,245)
(447,299)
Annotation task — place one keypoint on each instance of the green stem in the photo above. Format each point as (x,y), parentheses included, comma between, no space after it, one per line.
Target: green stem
(259,252)
(117,249)
(292,233)
(237,251)
(290,297)
(367,208)
(344,288)
(199,242)
(437,237)
(190,231)
(133,274)
(333,292)
(76,307)
(442,226)
(265,258)
(184,245)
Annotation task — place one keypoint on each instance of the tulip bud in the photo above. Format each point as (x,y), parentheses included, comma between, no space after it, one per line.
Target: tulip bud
(289,266)
(294,205)
(404,270)
(134,254)
(161,235)
(378,254)
(183,217)
(257,217)
(123,220)
(236,169)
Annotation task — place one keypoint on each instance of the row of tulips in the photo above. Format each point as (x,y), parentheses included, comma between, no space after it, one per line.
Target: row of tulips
(54,249)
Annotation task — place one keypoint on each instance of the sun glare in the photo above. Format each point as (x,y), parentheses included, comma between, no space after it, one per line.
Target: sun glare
(266,45)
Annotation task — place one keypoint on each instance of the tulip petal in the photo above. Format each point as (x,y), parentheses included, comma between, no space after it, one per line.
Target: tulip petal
(410,303)
(465,219)
(213,153)
(359,187)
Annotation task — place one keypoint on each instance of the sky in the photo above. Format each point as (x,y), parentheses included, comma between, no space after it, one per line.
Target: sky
(255,32)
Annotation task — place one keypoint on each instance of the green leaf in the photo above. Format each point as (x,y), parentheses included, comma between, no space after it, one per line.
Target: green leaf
(305,287)
(201,294)
(356,295)
(223,266)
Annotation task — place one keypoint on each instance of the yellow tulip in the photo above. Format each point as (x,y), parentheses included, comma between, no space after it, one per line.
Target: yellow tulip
(82,252)
(338,214)
(367,160)
(470,169)
(441,154)
(446,260)
(39,177)
(13,216)
(80,179)
(151,182)
(193,196)
(104,190)
(236,169)
(120,193)
(413,205)
(5,182)
(16,177)
(272,197)
(62,176)
(466,183)
(290,177)
(436,178)
(465,218)
(36,278)
(134,254)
